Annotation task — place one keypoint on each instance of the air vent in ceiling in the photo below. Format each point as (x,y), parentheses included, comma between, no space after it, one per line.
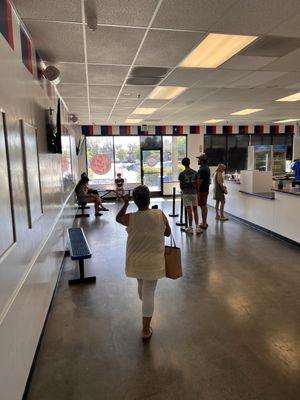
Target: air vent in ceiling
(132,80)
(272,46)
(149,72)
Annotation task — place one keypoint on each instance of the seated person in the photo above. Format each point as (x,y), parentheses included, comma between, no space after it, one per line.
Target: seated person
(120,191)
(84,193)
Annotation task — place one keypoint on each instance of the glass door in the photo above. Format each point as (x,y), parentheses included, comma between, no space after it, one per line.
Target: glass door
(152,170)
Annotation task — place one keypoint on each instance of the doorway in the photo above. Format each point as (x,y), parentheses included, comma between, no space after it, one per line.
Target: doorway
(152,170)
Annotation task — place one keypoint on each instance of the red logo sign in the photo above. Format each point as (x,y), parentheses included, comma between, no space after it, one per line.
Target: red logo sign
(100,164)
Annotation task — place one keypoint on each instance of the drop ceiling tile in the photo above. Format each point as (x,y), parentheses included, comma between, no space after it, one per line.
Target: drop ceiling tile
(72,90)
(285,81)
(191,14)
(104,92)
(255,78)
(71,72)
(219,78)
(256,17)
(101,102)
(129,12)
(113,45)
(288,63)
(57,41)
(290,28)
(75,101)
(134,92)
(54,10)
(167,48)
(249,63)
(107,74)
(128,103)
(185,76)
(272,46)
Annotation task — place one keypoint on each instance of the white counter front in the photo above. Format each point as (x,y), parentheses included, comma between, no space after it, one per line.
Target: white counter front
(281,215)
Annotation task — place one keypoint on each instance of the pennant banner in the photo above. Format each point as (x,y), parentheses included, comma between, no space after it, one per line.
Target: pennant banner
(194,129)
(227,129)
(6,27)
(274,129)
(211,129)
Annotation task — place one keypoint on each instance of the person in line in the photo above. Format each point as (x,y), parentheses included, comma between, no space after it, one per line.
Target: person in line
(119,182)
(203,188)
(188,185)
(145,251)
(84,193)
(296,170)
(219,192)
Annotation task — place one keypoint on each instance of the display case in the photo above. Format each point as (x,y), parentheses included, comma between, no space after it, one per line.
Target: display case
(279,160)
(267,158)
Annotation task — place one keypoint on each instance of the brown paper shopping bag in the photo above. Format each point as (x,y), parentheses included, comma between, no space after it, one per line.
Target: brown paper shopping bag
(173,260)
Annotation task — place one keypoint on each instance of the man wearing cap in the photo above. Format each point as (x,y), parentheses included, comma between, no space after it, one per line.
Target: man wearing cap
(203,187)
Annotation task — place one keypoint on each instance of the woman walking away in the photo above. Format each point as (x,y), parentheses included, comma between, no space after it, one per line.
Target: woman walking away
(219,192)
(145,252)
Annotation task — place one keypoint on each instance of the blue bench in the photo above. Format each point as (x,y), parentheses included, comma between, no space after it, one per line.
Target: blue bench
(79,251)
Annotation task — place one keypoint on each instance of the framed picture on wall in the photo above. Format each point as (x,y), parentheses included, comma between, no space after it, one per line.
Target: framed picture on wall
(7,231)
(31,172)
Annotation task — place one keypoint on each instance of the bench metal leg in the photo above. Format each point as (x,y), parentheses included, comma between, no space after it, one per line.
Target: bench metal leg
(82,279)
(82,208)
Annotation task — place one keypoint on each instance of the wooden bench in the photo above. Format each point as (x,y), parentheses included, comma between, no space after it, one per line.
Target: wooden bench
(79,251)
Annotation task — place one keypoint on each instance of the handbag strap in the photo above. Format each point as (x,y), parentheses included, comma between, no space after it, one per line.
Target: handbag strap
(172,241)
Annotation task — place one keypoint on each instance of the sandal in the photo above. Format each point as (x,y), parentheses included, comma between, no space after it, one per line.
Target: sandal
(148,336)
(203,226)
(104,209)
(98,214)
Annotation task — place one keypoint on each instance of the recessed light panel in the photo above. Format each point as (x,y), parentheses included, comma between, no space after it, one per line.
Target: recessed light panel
(287,120)
(166,92)
(292,97)
(247,111)
(144,111)
(214,121)
(133,121)
(215,49)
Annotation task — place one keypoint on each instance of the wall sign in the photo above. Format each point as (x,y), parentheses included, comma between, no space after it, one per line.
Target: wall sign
(100,164)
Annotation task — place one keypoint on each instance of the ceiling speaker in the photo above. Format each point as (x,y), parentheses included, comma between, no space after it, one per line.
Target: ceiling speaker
(52,74)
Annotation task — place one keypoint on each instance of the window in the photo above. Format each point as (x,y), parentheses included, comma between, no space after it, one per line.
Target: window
(128,158)
(174,150)
(237,153)
(66,164)
(151,142)
(215,149)
(100,159)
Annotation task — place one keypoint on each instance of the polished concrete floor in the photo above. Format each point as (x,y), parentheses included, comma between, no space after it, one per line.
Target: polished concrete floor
(228,330)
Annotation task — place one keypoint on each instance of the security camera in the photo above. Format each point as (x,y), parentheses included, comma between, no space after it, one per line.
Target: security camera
(73,118)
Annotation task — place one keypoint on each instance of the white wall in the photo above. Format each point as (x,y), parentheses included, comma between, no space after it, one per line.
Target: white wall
(29,269)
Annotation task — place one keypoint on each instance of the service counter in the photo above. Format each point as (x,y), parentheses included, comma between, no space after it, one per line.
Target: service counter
(279,214)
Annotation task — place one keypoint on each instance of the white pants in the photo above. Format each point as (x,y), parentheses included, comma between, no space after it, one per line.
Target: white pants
(146,290)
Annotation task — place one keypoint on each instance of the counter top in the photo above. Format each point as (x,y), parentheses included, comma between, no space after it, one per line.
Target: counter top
(294,191)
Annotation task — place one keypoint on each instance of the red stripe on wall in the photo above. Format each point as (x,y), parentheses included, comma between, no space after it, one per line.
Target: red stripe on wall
(128,130)
(91,130)
(214,129)
(109,128)
(164,130)
(28,44)
(9,25)
(180,130)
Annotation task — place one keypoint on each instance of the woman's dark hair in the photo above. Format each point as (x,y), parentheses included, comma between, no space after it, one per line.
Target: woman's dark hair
(84,179)
(141,196)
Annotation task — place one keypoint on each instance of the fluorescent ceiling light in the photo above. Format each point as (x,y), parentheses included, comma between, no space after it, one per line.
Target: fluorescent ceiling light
(213,121)
(215,49)
(247,111)
(133,121)
(292,97)
(166,92)
(144,111)
(287,120)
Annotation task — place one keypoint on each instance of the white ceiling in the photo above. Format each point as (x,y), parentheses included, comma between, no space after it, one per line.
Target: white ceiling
(160,33)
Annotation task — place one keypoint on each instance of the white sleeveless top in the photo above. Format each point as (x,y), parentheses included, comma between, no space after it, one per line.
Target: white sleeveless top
(145,251)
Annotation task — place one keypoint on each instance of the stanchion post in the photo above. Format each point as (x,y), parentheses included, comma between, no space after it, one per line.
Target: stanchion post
(181,223)
(185,220)
(173,210)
